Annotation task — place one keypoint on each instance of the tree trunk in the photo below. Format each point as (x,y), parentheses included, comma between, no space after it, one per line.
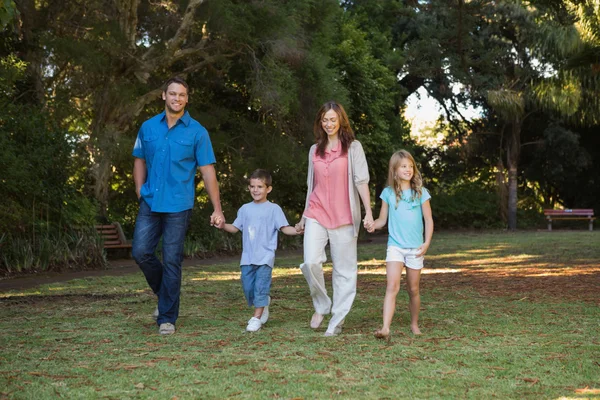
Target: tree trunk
(502,190)
(514,146)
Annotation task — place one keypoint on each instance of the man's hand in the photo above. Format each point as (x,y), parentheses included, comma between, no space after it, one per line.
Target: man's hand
(217,218)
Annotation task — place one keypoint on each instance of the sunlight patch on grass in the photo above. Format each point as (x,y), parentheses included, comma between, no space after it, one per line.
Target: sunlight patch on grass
(62,288)
(511,259)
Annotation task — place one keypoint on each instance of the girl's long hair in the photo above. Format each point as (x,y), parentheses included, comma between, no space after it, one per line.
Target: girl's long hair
(345,134)
(416,182)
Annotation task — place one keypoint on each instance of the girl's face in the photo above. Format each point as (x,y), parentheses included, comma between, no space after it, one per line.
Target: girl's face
(330,124)
(405,170)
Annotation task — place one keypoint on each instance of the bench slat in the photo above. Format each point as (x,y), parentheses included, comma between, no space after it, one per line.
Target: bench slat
(112,236)
(570,214)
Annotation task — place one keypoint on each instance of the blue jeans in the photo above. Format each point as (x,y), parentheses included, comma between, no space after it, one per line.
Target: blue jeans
(163,277)
(256,282)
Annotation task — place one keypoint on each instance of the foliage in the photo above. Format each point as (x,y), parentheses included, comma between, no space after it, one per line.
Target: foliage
(51,251)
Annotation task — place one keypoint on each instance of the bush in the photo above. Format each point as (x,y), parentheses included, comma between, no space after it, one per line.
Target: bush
(466,206)
(75,249)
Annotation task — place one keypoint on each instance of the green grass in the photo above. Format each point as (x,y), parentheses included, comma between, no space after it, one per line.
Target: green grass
(503,315)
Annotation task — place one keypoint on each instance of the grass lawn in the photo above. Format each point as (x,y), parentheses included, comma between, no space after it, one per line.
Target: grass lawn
(503,315)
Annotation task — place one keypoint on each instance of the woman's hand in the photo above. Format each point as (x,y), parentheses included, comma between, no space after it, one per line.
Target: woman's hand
(300,226)
(368,223)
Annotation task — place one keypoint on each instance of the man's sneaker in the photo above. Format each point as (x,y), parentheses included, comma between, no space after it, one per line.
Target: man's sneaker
(155,314)
(166,329)
(265,315)
(254,324)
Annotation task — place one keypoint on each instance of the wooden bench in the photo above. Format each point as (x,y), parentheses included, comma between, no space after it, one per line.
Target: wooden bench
(576,213)
(112,236)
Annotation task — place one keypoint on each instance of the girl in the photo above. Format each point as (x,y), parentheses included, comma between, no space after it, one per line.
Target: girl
(338,178)
(407,203)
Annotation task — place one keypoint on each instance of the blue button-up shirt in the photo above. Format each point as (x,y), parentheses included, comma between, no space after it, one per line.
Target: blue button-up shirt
(172,157)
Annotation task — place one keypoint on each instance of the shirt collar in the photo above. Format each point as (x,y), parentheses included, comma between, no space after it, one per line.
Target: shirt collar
(185,118)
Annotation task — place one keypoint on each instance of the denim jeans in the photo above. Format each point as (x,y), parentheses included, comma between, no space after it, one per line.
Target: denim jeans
(163,277)
(256,282)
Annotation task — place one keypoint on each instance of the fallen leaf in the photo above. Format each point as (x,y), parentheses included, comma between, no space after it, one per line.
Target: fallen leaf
(586,390)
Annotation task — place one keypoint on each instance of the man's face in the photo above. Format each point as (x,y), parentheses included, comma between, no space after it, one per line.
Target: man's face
(176,98)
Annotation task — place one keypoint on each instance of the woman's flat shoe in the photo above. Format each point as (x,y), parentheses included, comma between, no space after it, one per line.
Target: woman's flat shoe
(315,321)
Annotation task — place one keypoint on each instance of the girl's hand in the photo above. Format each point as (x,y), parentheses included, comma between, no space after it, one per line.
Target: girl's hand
(300,226)
(422,250)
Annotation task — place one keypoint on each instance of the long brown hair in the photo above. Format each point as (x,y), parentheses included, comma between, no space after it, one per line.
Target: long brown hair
(345,134)
(416,182)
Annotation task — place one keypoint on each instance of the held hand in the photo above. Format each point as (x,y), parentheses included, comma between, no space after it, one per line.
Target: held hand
(368,223)
(300,226)
(219,223)
(422,250)
(217,218)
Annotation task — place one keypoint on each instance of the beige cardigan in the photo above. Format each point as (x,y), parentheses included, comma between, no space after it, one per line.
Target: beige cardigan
(358,173)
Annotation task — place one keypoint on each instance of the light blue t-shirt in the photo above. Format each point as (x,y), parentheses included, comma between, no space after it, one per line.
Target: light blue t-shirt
(172,157)
(405,222)
(259,224)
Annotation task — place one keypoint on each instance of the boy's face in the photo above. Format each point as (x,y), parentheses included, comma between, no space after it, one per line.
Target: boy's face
(259,190)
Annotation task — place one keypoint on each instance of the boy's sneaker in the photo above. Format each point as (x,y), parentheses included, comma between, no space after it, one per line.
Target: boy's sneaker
(166,329)
(254,324)
(265,315)
(155,314)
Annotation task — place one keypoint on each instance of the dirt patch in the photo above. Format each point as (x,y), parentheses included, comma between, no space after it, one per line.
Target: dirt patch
(574,283)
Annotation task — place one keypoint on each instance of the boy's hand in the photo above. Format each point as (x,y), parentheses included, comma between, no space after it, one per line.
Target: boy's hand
(219,222)
(300,226)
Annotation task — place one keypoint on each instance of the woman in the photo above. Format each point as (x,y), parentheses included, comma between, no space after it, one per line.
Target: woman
(338,178)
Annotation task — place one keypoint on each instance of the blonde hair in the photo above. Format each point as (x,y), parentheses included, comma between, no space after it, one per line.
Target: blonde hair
(416,182)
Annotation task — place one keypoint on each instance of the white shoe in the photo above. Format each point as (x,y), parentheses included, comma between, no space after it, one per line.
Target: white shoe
(166,329)
(265,315)
(254,324)
(155,314)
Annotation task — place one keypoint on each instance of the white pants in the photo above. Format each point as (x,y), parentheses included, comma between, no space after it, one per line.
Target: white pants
(342,245)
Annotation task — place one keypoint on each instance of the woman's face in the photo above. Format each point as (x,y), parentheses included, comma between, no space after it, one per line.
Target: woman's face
(330,123)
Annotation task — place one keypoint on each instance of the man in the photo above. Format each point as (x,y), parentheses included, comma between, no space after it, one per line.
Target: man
(168,149)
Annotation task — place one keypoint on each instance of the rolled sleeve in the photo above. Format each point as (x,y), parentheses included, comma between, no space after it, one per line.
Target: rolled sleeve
(138,147)
(359,167)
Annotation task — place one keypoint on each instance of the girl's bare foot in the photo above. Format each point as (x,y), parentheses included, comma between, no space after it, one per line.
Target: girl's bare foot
(415,329)
(382,334)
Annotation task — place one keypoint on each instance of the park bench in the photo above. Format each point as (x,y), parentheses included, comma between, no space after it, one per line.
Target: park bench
(112,236)
(575,213)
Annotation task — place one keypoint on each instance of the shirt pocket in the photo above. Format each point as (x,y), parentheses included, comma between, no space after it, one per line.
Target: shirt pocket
(182,150)
(150,146)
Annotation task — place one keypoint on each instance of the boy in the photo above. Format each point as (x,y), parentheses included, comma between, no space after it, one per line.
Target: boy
(259,221)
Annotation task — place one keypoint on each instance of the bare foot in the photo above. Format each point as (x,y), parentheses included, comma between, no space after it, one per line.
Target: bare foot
(315,321)
(382,334)
(415,330)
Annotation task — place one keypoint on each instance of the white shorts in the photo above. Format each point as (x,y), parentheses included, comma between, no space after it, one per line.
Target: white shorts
(406,256)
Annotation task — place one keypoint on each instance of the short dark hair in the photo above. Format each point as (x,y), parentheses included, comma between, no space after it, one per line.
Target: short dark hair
(178,80)
(263,175)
